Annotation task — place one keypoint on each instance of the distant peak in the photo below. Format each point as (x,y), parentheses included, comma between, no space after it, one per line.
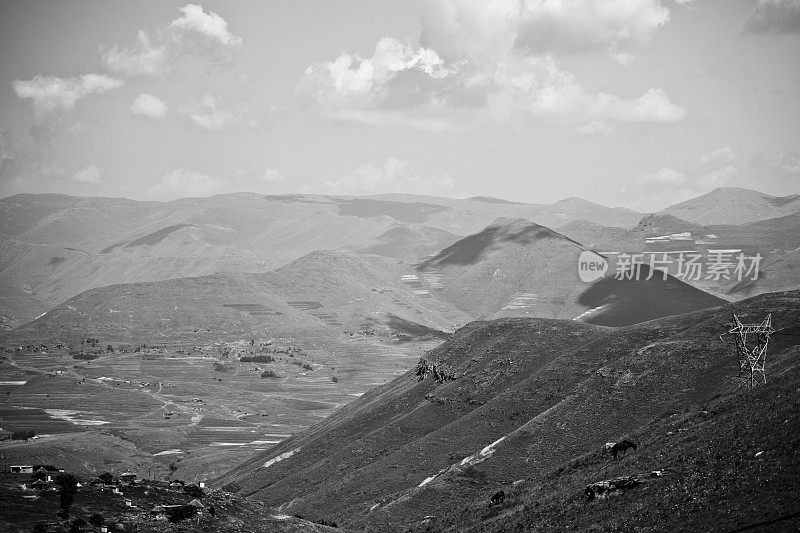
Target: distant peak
(490,200)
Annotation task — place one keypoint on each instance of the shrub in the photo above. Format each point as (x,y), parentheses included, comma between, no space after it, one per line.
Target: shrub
(67,487)
(257,359)
(268,374)
(335,379)
(23,434)
(306,366)
(97,520)
(193,490)
(110,348)
(221,367)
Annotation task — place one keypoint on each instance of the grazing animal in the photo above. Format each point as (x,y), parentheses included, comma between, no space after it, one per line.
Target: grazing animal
(498,498)
(622,446)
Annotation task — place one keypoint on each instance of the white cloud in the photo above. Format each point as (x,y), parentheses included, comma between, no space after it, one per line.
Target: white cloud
(260,175)
(482,31)
(394,175)
(182,183)
(149,106)
(777,166)
(190,42)
(539,87)
(665,176)
(209,24)
(88,174)
(774,16)
(50,94)
(493,60)
(145,59)
(209,116)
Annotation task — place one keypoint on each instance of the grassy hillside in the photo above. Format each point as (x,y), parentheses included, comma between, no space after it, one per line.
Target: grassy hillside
(515,267)
(328,293)
(516,400)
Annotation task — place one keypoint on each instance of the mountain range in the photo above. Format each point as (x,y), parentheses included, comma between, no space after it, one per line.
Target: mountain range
(54,246)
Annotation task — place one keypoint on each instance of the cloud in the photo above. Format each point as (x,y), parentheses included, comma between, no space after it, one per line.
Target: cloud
(394,175)
(541,88)
(261,175)
(149,106)
(50,94)
(88,174)
(665,176)
(144,59)
(207,115)
(493,60)
(182,183)
(774,16)
(781,165)
(190,42)
(483,31)
(209,24)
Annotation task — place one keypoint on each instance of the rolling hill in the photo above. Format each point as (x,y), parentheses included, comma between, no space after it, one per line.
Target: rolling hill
(526,405)
(327,293)
(775,239)
(56,246)
(730,205)
(515,267)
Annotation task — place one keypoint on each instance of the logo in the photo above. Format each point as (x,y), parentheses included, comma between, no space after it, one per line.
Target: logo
(591,266)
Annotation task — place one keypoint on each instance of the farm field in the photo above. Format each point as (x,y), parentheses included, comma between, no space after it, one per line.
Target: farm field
(182,409)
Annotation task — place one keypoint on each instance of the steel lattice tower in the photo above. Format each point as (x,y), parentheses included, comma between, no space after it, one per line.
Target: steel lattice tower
(752,351)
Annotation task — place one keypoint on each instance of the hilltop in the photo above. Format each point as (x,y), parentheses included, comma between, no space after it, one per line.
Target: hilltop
(732,205)
(515,267)
(527,405)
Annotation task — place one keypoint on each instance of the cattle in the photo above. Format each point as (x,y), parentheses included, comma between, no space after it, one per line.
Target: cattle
(622,446)
(498,498)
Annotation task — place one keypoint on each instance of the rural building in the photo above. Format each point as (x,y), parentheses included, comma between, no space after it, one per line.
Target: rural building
(22,469)
(128,477)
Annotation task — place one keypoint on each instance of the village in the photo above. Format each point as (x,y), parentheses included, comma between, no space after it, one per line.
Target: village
(107,502)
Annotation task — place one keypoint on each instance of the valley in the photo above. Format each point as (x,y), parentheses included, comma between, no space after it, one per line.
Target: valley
(386,363)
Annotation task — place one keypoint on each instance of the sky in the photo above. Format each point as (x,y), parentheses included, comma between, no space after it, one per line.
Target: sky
(637,103)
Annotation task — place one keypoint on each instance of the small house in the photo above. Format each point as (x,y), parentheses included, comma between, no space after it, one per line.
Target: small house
(39,484)
(22,469)
(128,477)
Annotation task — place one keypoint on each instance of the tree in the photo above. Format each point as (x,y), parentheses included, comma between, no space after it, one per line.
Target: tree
(67,488)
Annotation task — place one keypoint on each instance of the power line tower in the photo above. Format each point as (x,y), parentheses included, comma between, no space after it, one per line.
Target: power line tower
(752,351)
